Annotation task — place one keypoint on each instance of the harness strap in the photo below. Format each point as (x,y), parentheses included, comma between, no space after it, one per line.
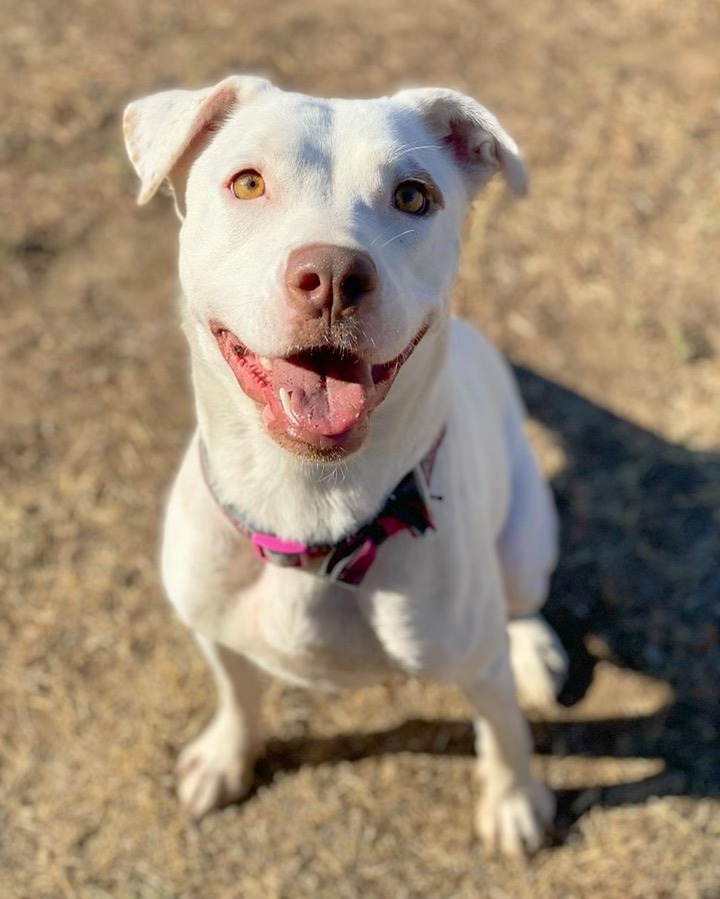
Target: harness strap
(407,508)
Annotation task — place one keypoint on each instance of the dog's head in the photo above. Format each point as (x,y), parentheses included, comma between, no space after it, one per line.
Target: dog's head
(319,238)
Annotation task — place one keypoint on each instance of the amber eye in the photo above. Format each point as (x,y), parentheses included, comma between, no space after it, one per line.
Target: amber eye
(411,197)
(248,185)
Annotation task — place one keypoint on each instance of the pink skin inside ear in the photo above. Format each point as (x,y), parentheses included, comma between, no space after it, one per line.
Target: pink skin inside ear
(467,153)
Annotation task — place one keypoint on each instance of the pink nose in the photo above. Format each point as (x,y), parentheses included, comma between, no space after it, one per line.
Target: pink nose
(325,280)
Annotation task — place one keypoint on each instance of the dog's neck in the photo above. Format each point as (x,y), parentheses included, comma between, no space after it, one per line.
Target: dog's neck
(319,502)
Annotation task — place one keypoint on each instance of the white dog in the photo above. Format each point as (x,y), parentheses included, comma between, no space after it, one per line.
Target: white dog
(359,502)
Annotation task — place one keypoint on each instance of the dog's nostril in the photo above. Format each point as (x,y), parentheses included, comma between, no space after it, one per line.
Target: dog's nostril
(355,286)
(309,281)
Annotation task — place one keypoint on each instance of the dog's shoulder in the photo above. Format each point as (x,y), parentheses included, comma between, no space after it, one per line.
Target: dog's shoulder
(478,364)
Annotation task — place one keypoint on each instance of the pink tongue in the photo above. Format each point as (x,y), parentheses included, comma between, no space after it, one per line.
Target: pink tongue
(328,394)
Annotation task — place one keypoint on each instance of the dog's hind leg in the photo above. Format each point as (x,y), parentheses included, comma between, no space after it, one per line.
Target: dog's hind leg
(538,661)
(527,545)
(217,767)
(527,549)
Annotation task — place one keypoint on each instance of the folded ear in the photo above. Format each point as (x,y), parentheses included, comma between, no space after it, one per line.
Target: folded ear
(160,128)
(477,141)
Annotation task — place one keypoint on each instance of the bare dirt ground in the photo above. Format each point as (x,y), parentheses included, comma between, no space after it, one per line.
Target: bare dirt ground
(603,288)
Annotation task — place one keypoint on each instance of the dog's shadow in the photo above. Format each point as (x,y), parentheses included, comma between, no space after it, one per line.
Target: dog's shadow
(640,572)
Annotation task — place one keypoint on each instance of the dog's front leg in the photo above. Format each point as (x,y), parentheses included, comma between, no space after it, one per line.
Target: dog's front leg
(514,807)
(217,767)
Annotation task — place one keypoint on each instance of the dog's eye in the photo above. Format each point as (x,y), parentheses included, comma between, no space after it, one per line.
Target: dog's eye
(248,185)
(411,197)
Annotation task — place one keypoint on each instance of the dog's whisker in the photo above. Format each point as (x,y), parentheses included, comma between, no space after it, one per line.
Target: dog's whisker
(335,475)
(407,150)
(402,234)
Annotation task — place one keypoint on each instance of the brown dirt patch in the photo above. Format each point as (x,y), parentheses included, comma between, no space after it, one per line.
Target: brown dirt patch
(603,286)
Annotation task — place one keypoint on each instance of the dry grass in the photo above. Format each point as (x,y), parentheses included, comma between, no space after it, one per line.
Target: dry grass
(604,286)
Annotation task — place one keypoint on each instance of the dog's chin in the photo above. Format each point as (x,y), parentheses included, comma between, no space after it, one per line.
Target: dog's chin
(329,450)
(314,402)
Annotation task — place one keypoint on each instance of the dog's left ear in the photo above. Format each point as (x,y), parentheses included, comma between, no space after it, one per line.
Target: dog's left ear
(477,141)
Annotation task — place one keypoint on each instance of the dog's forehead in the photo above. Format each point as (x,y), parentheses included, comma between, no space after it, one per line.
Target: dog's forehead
(315,132)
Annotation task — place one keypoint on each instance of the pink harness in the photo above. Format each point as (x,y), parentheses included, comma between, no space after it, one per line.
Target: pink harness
(407,508)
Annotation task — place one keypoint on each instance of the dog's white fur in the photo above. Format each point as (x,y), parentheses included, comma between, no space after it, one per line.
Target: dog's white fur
(440,606)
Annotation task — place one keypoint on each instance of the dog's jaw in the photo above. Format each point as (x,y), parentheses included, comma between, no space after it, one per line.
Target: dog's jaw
(314,401)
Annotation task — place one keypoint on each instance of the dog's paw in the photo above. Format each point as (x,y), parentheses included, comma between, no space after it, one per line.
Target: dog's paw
(514,822)
(538,661)
(215,769)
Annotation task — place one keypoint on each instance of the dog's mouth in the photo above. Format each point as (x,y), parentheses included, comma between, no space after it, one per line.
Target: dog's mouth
(320,396)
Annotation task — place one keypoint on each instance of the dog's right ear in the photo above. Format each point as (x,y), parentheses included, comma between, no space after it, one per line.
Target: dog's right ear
(477,142)
(160,129)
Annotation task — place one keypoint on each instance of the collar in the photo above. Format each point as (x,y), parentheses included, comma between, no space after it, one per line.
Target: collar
(407,508)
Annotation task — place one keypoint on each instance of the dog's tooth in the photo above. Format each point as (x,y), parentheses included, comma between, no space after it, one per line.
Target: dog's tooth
(285,402)
(265,362)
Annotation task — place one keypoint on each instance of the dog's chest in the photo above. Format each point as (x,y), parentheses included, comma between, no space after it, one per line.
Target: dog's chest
(308,631)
